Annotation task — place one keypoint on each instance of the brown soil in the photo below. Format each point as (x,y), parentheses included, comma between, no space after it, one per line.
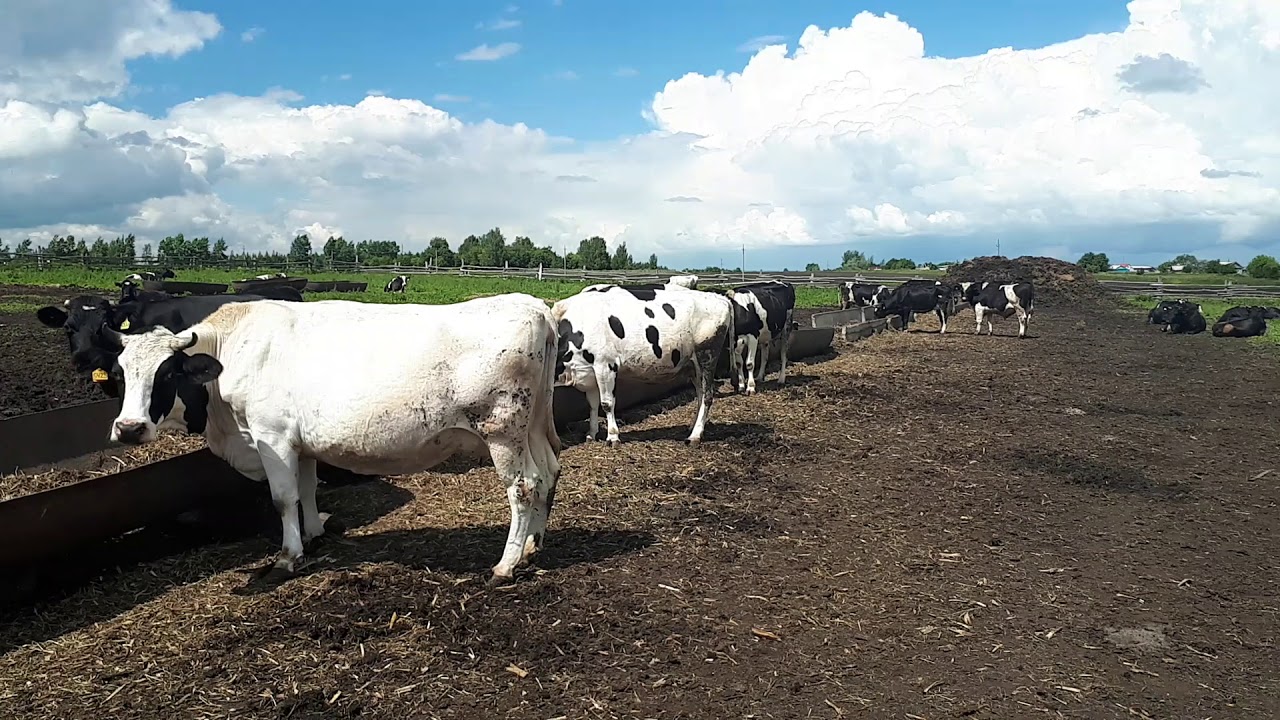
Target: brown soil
(924,527)
(35,364)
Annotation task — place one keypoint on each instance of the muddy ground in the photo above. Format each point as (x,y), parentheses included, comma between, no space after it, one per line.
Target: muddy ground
(1076,525)
(35,363)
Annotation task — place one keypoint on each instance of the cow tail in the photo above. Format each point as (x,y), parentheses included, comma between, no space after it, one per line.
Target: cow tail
(550,352)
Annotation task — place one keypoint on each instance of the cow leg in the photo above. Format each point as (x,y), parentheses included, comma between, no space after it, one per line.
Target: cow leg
(786,347)
(704,379)
(281,466)
(753,344)
(942,318)
(544,454)
(762,364)
(978,312)
(312,523)
(527,495)
(735,365)
(593,403)
(1023,317)
(606,378)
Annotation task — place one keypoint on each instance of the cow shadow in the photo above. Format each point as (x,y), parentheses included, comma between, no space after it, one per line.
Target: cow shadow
(713,432)
(1114,477)
(182,549)
(467,551)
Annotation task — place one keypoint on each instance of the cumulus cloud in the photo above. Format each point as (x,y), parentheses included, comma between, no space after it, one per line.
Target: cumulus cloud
(484,53)
(1158,135)
(758,43)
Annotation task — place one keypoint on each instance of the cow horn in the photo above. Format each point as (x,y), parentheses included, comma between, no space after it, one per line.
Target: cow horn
(191,343)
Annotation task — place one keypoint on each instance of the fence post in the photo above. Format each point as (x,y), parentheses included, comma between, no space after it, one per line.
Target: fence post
(539,272)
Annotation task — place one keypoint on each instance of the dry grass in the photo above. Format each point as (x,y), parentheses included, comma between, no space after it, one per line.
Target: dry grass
(105,463)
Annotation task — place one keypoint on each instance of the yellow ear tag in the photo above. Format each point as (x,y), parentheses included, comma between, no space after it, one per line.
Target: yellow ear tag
(99,375)
(125,324)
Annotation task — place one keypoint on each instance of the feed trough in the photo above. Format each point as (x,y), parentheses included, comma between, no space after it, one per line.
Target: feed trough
(349,286)
(319,286)
(174,287)
(248,287)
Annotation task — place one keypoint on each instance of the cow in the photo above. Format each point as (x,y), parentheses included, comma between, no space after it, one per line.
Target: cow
(854,294)
(269,276)
(1184,318)
(86,318)
(1160,310)
(689,282)
(129,291)
(650,333)
(148,275)
(762,312)
(397,284)
(917,296)
(991,300)
(1248,321)
(468,375)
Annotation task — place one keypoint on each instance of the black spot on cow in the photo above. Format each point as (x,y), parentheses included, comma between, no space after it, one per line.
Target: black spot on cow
(569,335)
(643,292)
(675,357)
(616,326)
(599,289)
(670,311)
(651,334)
(613,367)
(648,311)
(588,355)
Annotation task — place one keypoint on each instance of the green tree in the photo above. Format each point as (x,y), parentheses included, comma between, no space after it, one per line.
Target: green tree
(219,251)
(100,248)
(439,254)
(4,251)
(300,249)
(1094,262)
(593,254)
(146,252)
(900,264)
(1216,267)
(521,252)
(1264,267)
(1189,263)
(621,258)
(812,267)
(653,262)
(855,260)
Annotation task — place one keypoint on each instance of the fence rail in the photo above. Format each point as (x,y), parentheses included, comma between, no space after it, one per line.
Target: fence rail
(1160,290)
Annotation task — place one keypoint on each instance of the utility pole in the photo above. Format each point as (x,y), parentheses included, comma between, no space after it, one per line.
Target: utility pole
(998,248)
(744,262)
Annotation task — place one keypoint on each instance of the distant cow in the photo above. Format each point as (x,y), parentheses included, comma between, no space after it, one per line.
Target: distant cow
(269,276)
(129,291)
(85,320)
(148,275)
(917,296)
(397,284)
(1184,318)
(854,294)
(1242,322)
(1161,310)
(992,300)
(762,313)
(467,375)
(648,333)
(684,281)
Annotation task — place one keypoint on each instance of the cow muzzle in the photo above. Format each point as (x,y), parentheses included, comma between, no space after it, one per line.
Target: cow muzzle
(132,432)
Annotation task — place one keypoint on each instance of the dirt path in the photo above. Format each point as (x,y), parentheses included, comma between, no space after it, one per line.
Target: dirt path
(928,526)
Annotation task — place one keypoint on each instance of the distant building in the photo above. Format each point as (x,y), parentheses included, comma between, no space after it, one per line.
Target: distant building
(1130,268)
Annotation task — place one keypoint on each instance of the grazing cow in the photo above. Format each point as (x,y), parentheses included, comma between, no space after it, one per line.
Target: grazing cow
(1248,321)
(762,312)
(689,282)
(397,284)
(85,319)
(854,294)
(992,300)
(472,374)
(917,296)
(650,333)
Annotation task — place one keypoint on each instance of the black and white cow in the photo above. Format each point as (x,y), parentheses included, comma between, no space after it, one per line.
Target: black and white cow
(1162,308)
(130,292)
(854,294)
(148,275)
(86,320)
(689,282)
(398,284)
(917,296)
(1248,321)
(649,333)
(762,313)
(475,374)
(991,300)
(1182,317)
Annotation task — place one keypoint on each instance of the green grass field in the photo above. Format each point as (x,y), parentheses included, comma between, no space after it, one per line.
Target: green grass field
(1181,279)
(1213,309)
(427,289)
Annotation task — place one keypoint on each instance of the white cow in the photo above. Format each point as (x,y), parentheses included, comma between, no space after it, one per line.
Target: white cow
(289,384)
(685,281)
(650,333)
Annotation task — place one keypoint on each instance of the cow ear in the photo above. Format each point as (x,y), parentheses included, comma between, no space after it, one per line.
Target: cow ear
(201,368)
(51,316)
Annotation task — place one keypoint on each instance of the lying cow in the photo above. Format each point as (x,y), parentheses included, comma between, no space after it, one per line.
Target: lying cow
(468,374)
(992,300)
(148,275)
(918,296)
(397,284)
(130,292)
(762,312)
(647,333)
(85,320)
(1183,317)
(1161,309)
(1243,322)
(689,282)
(270,276)
(854,294)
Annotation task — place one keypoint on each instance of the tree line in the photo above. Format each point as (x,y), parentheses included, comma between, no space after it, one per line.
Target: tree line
(1262,266)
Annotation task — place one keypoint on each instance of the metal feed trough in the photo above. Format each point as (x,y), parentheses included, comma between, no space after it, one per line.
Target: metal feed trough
(41,525)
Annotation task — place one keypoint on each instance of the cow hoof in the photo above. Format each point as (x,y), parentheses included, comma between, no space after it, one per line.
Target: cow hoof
(277,572)
(614,442)
(693,441)
(495,580)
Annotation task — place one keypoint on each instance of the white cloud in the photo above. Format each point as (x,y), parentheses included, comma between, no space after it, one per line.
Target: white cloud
(447,98)
(485,53)
(626,72)
(756,44)
(856,136)
(251,34)
(499,24)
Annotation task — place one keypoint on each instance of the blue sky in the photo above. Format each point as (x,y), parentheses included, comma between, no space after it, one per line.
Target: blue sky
(1136,131)
(407,49)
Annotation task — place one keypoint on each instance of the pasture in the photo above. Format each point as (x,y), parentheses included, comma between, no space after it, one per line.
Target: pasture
(920,526)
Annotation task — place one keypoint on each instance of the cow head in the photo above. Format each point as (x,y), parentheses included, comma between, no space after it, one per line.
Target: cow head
(163,385)
(84,319)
